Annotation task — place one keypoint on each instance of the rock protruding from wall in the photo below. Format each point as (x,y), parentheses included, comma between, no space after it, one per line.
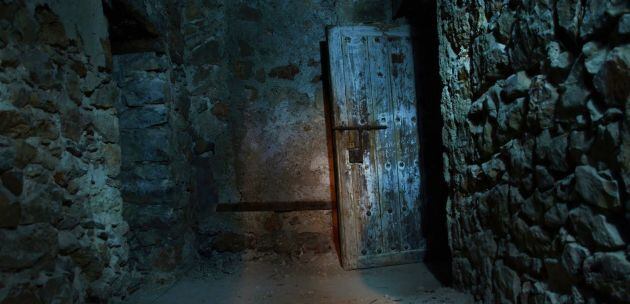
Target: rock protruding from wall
(62,234)
(537,135)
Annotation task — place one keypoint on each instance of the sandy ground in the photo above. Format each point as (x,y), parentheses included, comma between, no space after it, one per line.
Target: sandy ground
(317,280)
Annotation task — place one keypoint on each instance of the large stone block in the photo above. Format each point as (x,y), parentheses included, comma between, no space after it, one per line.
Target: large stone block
(489,61)
(159,217)
(556,216)
(145,89)
(533,240)
(145,145)
(595,54)
(558,61)
(52,30)
(613,78)
(153,191)
(558,279)
(12,122)
(144,117)
(204,80)
(507,282)
(497,201)
(569,14)
(519,156)
(58,288)
(148,171)
(41,204)
(7,154)
(479,246)
(530,34)
(148,61)
(593,229)
(106,123)
(13,181)
(544,181)
(105,96)
(574,94)
(517,85)
(597,188)
(503,25)
(599,14)
(493,169)
(22,294)
(532,210)
(10,210)
(552,151)
(608,273)
(511,118)
(579,145)
(112,155)
(542,104)
(23,247)
(208,52)
(624,24)
(572,258)
(90,261)
(521,262)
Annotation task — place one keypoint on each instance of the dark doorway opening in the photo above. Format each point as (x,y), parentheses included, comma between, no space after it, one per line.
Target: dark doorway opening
(422,16)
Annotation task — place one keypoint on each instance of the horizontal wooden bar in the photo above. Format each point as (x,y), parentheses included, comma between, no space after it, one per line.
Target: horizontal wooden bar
(275,206)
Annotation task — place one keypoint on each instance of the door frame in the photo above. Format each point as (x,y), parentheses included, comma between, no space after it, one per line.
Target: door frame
(350,259)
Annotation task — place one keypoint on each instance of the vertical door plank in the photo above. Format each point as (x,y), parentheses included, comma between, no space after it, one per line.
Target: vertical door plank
(355,60)
(371,163)
(407,134)
(341,116)
(385,148)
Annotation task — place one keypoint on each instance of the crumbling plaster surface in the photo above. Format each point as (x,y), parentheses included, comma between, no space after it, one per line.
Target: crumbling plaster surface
(535,106)
(253,71)
(254,74)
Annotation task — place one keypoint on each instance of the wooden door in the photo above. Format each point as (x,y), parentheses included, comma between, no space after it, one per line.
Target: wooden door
(377,159)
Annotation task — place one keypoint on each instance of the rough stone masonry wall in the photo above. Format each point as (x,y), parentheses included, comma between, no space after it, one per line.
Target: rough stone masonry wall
(537,135)
(62,233)
(155,170)
(154,135)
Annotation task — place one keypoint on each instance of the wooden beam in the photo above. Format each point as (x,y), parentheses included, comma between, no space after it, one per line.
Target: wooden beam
(274,206)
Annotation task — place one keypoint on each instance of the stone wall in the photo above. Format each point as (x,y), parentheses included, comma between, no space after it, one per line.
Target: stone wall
(536,130)
(61,225)
(155,171)
(219,91)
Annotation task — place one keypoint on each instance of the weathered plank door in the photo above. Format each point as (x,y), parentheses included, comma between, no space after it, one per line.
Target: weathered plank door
(376,145)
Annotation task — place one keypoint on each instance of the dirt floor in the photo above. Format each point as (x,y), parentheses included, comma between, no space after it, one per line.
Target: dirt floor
(319,279)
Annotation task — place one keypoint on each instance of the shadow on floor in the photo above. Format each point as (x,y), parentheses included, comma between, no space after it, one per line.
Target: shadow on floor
(320,280)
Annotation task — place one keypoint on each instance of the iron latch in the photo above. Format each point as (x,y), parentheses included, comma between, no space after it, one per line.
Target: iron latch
(355,154)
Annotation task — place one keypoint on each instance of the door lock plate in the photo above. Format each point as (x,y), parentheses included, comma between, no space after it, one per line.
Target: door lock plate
(355,156)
